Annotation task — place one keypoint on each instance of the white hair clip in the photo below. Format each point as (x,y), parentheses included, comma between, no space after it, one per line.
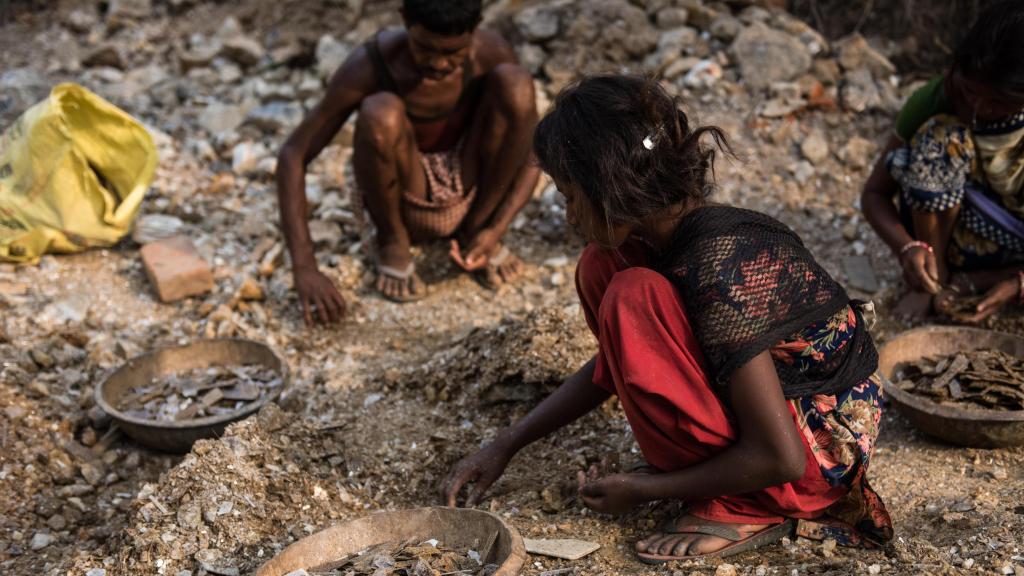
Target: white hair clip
(649,142)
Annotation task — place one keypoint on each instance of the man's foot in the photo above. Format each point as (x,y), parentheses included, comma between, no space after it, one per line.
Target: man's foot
(690,537)
(914,306)
(503,267)
(396,275)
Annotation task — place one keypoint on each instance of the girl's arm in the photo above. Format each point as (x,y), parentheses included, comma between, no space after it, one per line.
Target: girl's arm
(769,451)
(574,398)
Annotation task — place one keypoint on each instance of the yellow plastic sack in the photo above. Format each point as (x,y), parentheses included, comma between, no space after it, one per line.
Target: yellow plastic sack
(73,171)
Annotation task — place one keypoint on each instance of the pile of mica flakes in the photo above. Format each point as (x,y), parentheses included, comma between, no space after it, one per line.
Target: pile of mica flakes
(987,379)
(199,392)
(429,558)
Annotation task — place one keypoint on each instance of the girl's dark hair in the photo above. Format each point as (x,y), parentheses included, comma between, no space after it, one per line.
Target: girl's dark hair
(445,17)
(993,50)
(628,145)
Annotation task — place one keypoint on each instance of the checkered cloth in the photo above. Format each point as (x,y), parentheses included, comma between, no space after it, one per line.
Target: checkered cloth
(447,203)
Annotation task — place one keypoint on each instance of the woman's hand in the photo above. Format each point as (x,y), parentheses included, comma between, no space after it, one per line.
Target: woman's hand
(614,494)
(481,468)
(921,269)
(1000,295)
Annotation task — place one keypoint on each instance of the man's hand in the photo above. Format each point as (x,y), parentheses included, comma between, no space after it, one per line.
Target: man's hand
(481,468)
(320,300)
(614,494)
(478,252)
(1000,295)
(921,270)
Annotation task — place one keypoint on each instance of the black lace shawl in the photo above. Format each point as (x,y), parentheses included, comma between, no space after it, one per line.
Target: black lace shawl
(749,283)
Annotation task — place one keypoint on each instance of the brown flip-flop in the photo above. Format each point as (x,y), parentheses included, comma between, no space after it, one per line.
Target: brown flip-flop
(769,535)
(493,263)
(402,276)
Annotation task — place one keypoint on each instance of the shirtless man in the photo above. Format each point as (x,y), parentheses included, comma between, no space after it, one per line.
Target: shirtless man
(440,151)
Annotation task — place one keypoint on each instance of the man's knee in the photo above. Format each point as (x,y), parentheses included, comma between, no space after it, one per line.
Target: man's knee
(514,88)
(381,121)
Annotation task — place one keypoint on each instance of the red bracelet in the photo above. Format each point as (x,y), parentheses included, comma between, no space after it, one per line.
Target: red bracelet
(1020,289)
(916,244)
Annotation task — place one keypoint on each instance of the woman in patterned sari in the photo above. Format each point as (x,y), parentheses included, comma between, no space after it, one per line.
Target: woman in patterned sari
(956,168)
(745,371)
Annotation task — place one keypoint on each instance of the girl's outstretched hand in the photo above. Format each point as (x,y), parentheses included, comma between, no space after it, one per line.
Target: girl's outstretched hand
(481,468)
(614,494)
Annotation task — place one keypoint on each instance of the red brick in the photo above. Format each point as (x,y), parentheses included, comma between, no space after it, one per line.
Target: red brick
(175,269)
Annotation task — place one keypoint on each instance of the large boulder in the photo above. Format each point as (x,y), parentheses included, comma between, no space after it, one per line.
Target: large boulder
(766,55)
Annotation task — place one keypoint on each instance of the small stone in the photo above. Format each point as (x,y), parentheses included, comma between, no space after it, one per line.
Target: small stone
(93,474)
(275,116)
(874,569)
(246,157)
(725,27)
(38,388)
(557,279)
(42,358)
(243,50)
(857,152)
(56,522)
(766,55)
(218,117)
(537,23)
(15,412)
(105,55)
(671,17)
(704,74)
(89,437)
(152,227)
(828,548)
(129,9)
(41,540)
(815,148)
(96,572)
(330,54)
(325,233)
(855,52)
(250,290)
(175,269)
(82,20)
(726,570)
(968,563)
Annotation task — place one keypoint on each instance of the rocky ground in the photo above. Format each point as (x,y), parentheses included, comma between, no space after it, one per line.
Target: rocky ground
(380,406)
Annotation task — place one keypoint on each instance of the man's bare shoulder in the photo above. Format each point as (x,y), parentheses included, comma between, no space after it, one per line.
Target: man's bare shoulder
(492,49)
(356,73)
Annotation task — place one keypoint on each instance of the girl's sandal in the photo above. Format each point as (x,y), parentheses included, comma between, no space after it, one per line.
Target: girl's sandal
(769,535)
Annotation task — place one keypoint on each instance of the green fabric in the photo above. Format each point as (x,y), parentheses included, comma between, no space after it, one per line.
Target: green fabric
(927,101)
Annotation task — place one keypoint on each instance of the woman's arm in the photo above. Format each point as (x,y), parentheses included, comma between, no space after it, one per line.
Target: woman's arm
(920,267)
(768,452)
(575,397)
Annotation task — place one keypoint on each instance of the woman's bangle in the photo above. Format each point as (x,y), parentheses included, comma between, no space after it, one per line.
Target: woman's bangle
(1020,287)
(915,244)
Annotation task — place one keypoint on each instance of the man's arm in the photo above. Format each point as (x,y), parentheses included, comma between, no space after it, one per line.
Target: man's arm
(349,85)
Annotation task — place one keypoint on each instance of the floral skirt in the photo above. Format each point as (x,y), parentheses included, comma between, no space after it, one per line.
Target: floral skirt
(841,431)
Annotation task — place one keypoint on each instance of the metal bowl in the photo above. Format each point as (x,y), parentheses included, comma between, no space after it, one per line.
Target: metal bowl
(454,527)
(178,437)
(966,427)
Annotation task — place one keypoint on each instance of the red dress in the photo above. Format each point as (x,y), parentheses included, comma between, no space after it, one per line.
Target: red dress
(649,356)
